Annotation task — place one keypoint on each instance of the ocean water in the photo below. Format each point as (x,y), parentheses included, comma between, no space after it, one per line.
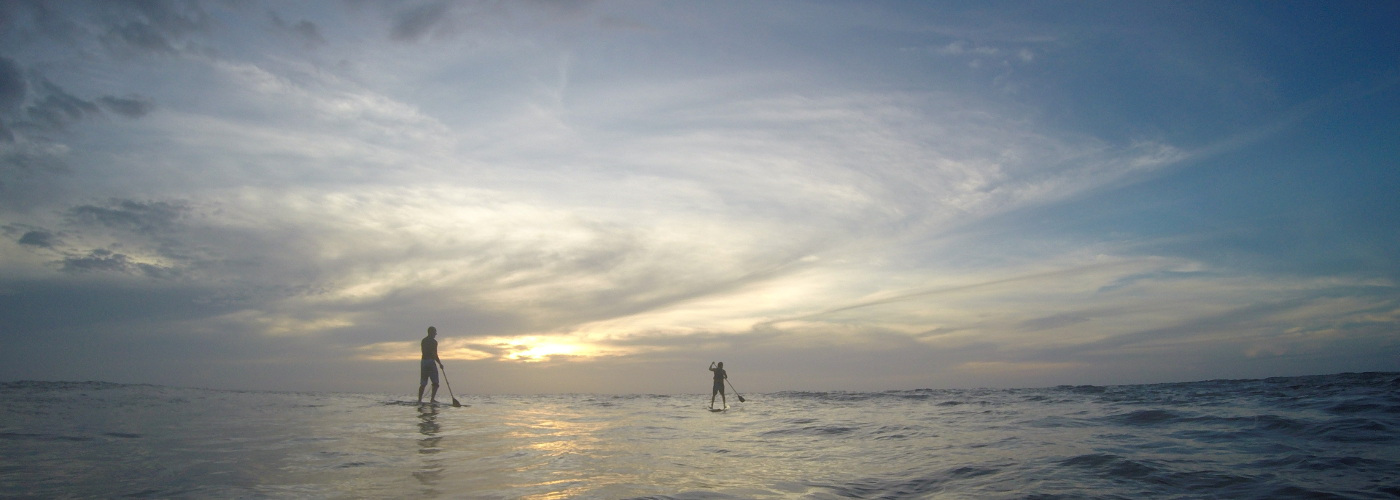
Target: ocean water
(1329,436)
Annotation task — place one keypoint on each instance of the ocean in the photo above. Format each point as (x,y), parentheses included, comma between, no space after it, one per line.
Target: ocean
(1332,436)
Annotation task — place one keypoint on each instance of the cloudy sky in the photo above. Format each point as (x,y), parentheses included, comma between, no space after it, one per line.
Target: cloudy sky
(607,196)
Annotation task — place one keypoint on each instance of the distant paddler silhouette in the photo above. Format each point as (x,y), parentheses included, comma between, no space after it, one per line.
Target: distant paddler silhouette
(428,369)
(720,377)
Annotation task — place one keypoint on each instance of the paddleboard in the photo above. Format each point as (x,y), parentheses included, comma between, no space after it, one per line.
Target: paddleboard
(716,409)
(415,403)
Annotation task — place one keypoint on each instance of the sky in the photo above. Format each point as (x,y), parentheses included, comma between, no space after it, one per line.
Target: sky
(605,197)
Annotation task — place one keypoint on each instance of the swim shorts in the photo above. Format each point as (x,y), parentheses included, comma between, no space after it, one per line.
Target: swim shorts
(427,370)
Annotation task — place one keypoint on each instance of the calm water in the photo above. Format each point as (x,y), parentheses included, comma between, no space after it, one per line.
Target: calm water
(1303,437)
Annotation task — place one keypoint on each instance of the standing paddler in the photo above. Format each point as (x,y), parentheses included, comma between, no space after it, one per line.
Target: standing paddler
(428,366)
(718,388)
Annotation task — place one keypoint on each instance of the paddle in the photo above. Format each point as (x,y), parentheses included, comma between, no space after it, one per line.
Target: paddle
(731,386)
(449,386)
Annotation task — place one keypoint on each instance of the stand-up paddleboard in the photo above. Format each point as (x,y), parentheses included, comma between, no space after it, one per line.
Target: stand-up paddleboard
(416,403)
(716,409)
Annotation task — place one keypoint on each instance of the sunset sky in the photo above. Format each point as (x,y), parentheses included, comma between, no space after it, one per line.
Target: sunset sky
(607,196)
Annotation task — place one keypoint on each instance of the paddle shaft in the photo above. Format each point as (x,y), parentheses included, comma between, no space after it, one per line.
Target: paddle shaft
(449,385)
(726,379)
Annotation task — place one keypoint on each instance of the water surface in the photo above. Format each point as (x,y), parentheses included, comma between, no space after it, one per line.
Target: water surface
(1301,437)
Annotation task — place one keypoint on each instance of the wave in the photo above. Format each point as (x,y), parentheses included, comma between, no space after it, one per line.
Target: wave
(1144,417)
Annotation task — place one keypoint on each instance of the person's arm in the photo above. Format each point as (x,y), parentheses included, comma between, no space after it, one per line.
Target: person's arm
(712,366)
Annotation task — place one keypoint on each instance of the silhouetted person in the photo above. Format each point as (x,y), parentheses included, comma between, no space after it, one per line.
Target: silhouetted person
(718,388)
(428,366)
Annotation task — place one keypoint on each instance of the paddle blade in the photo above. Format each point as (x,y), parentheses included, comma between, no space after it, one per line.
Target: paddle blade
(459,405)
(741,399)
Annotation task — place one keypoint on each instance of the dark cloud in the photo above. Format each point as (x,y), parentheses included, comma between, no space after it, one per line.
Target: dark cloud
(98,260)
(413,23)
(57,109)
(138,238)
(26,129)
(130,107)
(306,31)
(140,217)
(445,19)
(104,260)
(39,238)
(50,107)
(170,15)
(142,26)
(154,26)
(141,36)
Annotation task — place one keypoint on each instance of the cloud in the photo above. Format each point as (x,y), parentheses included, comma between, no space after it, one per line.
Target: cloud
(53,109)
(147,218)
(104,260)
(35,117)
(154,28)
(962,47)
(305,31)
(41,239)
(141,36)
(437,20)
(126,237)
(30,119)
(130,107)
(57,109)
(98,260)
(412,23)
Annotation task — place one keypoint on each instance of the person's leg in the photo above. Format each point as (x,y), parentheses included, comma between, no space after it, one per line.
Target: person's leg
(422,381)
(434,376)
(722,398)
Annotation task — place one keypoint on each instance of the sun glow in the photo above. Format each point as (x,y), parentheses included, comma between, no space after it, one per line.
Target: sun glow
(533,349)
(528,349)
(410,350)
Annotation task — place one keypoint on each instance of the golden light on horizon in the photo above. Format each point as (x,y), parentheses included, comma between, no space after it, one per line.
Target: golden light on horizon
(410,350)
(526,348)
(536,348)
(542,351)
